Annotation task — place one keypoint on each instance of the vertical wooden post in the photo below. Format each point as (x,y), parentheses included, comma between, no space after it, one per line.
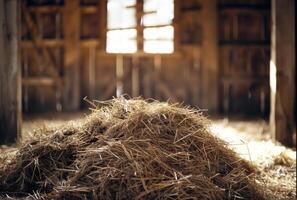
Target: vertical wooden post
(71,26)
(135,76)
(103,24)
(140,42)
(210,56)
(139,14)
(176,22)
(10,78)
(157,71)
(92,71)
(119,74)
(282,71)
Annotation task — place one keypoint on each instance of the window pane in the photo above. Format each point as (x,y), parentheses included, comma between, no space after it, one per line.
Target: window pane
(152,46)
(150,5)
(155,39)
(158,33)
(163,15)
(154,5)
(121,41)
(119,16)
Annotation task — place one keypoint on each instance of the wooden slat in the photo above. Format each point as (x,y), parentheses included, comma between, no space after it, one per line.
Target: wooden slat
(57,43)
(89,43)
(245,80)
(157,75)
(71,54)
(92,72)
(90,9)
(38,81)
(119,74)
(43,43)
(245,11)
(135,76)
(209,56)
(256,7)
(142,54)
(176,20)
(45,9)
(261,43)
(103,23)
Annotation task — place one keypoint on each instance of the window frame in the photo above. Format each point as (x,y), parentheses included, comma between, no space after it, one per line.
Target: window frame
(140,40)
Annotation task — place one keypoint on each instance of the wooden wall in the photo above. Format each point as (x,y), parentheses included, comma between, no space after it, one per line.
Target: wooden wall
(220,62)
(244,33)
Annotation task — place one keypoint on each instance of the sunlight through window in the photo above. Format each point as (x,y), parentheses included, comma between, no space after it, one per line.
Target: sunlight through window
(121,25)
(158,32)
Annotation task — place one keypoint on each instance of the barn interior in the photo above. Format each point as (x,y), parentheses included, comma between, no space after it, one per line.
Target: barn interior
(233,60)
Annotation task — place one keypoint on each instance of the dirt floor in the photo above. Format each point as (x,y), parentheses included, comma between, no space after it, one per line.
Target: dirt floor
(249,138)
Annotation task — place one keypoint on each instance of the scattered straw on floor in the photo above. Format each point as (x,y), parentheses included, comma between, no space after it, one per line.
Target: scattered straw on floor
(130,149)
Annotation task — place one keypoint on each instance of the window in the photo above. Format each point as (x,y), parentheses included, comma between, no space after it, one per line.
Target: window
(121,25)
(158,32)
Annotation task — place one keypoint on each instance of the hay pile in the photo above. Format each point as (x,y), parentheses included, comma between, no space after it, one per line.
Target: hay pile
(130,149)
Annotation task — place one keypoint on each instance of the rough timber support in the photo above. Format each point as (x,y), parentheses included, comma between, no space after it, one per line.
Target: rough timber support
(283,71)
(10,79)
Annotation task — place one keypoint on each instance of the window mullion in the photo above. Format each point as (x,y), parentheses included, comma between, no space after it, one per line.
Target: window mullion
(139,27)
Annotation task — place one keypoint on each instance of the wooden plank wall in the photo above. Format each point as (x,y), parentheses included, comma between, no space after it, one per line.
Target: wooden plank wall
(192,74)
(244,34)
(71,30)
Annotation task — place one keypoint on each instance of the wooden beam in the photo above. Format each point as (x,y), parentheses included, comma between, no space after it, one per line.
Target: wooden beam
(89,43)
(38,81)
(89,9)
(10,79)
(57,43)
(157,76)
(42,43)
(210,70)
(119,74)
(177,22)
(135,76)
(92,72)
(282,71)
(45,9)
(71,99)
(103,23)
(139,28)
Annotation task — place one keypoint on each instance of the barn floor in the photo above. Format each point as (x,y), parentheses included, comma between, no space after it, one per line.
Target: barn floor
(249,138)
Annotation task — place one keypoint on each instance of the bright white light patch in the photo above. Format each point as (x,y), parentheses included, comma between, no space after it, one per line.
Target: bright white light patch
(163,12)
(158,40)
(272,76)
(121,41)
(155,46)
(119,16)
(158,33)
(121,25)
